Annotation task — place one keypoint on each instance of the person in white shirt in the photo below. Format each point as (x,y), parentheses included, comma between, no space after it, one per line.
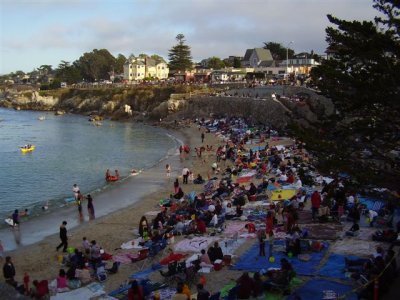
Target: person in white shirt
(283,178)
(75,190)
(214,221)
(185,175)
(372,215)
(298,184)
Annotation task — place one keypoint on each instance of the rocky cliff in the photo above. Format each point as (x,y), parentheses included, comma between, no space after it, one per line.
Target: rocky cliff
(140,103)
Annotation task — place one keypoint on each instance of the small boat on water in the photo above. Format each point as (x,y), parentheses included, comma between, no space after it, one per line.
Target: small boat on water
(42,118)
(110,178)
(27,148)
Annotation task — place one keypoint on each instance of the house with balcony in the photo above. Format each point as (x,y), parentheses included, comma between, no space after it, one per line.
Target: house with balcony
(139,68)
(299,65)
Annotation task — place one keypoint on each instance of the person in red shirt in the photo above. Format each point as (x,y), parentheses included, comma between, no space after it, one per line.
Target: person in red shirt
(135,292)
(201,226)
(269,223)
(251,228)
(315,204)
(290,179)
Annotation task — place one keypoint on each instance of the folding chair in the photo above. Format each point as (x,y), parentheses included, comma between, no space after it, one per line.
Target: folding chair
(154,249)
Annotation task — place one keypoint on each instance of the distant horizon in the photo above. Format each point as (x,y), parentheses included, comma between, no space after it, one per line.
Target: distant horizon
(45,32)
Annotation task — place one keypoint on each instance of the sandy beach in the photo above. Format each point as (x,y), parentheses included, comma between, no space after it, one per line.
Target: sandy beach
(132,199)
(115,223)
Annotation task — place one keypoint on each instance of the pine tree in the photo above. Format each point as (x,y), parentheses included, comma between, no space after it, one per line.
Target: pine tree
(180,58)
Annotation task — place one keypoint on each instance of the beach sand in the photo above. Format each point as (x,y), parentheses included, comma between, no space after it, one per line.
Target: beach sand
(119,220)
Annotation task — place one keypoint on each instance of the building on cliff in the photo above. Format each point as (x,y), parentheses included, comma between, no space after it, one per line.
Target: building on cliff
(139,68)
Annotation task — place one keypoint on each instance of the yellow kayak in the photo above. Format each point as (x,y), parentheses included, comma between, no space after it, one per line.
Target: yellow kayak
(26,149)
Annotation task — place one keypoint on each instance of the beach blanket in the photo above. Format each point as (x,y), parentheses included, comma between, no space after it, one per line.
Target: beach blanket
(164,294)
(225,290)
(124,258)
(334,266)
(146,272)
(233,227)
(246,176)
(195,244)
(90,291)
(283,194)
(353,246)
(317,289)
(250,261)
(133,244)
(173,257)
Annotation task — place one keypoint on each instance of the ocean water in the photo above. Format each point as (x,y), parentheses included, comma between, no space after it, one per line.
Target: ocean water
(69,149)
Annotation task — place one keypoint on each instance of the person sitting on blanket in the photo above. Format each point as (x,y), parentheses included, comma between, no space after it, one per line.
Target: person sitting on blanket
(215,252)
(199,179)
(258,290)
(202,293)
(293,242)
(143,226)
(179,194)
(205,259)
(245,286)
(281,276)
(200,226)
(135,292)
(354,229)
(251,227)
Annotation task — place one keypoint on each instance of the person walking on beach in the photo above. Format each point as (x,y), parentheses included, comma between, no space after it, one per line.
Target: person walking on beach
(79,204)
(1,251)
(90,207)
(176,185)
(63,237)
(168,170)
(262,236)
(76,190)
(15,218)
(9,272)
(185,175)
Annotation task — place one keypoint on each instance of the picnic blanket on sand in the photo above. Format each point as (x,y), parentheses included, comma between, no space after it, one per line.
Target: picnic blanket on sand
(90,291)
(334,266)
(250,261)
(316,289)
(133,244)
(233,227)
(124,258)
(195,244)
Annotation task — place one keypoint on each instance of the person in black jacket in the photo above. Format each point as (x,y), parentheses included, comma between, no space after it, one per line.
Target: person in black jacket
(215,252)
(63,237)
(9,272)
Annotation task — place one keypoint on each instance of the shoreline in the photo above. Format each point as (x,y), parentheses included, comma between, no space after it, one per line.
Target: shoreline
(126,193)
(41,261)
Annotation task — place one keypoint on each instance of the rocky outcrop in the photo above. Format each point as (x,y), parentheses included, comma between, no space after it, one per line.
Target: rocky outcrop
(162,102)
(27,99)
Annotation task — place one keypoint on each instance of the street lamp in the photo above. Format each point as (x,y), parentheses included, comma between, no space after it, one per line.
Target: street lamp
(287,57)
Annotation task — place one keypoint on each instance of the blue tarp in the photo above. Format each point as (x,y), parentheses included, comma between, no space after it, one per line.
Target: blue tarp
(314,290)
(371,203)
(250,261)
(335,265)
(146,272)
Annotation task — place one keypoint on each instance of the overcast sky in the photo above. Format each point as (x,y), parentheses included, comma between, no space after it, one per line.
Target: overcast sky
(37,32)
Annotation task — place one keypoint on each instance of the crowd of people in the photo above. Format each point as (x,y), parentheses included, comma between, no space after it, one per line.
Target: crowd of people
(241,173)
